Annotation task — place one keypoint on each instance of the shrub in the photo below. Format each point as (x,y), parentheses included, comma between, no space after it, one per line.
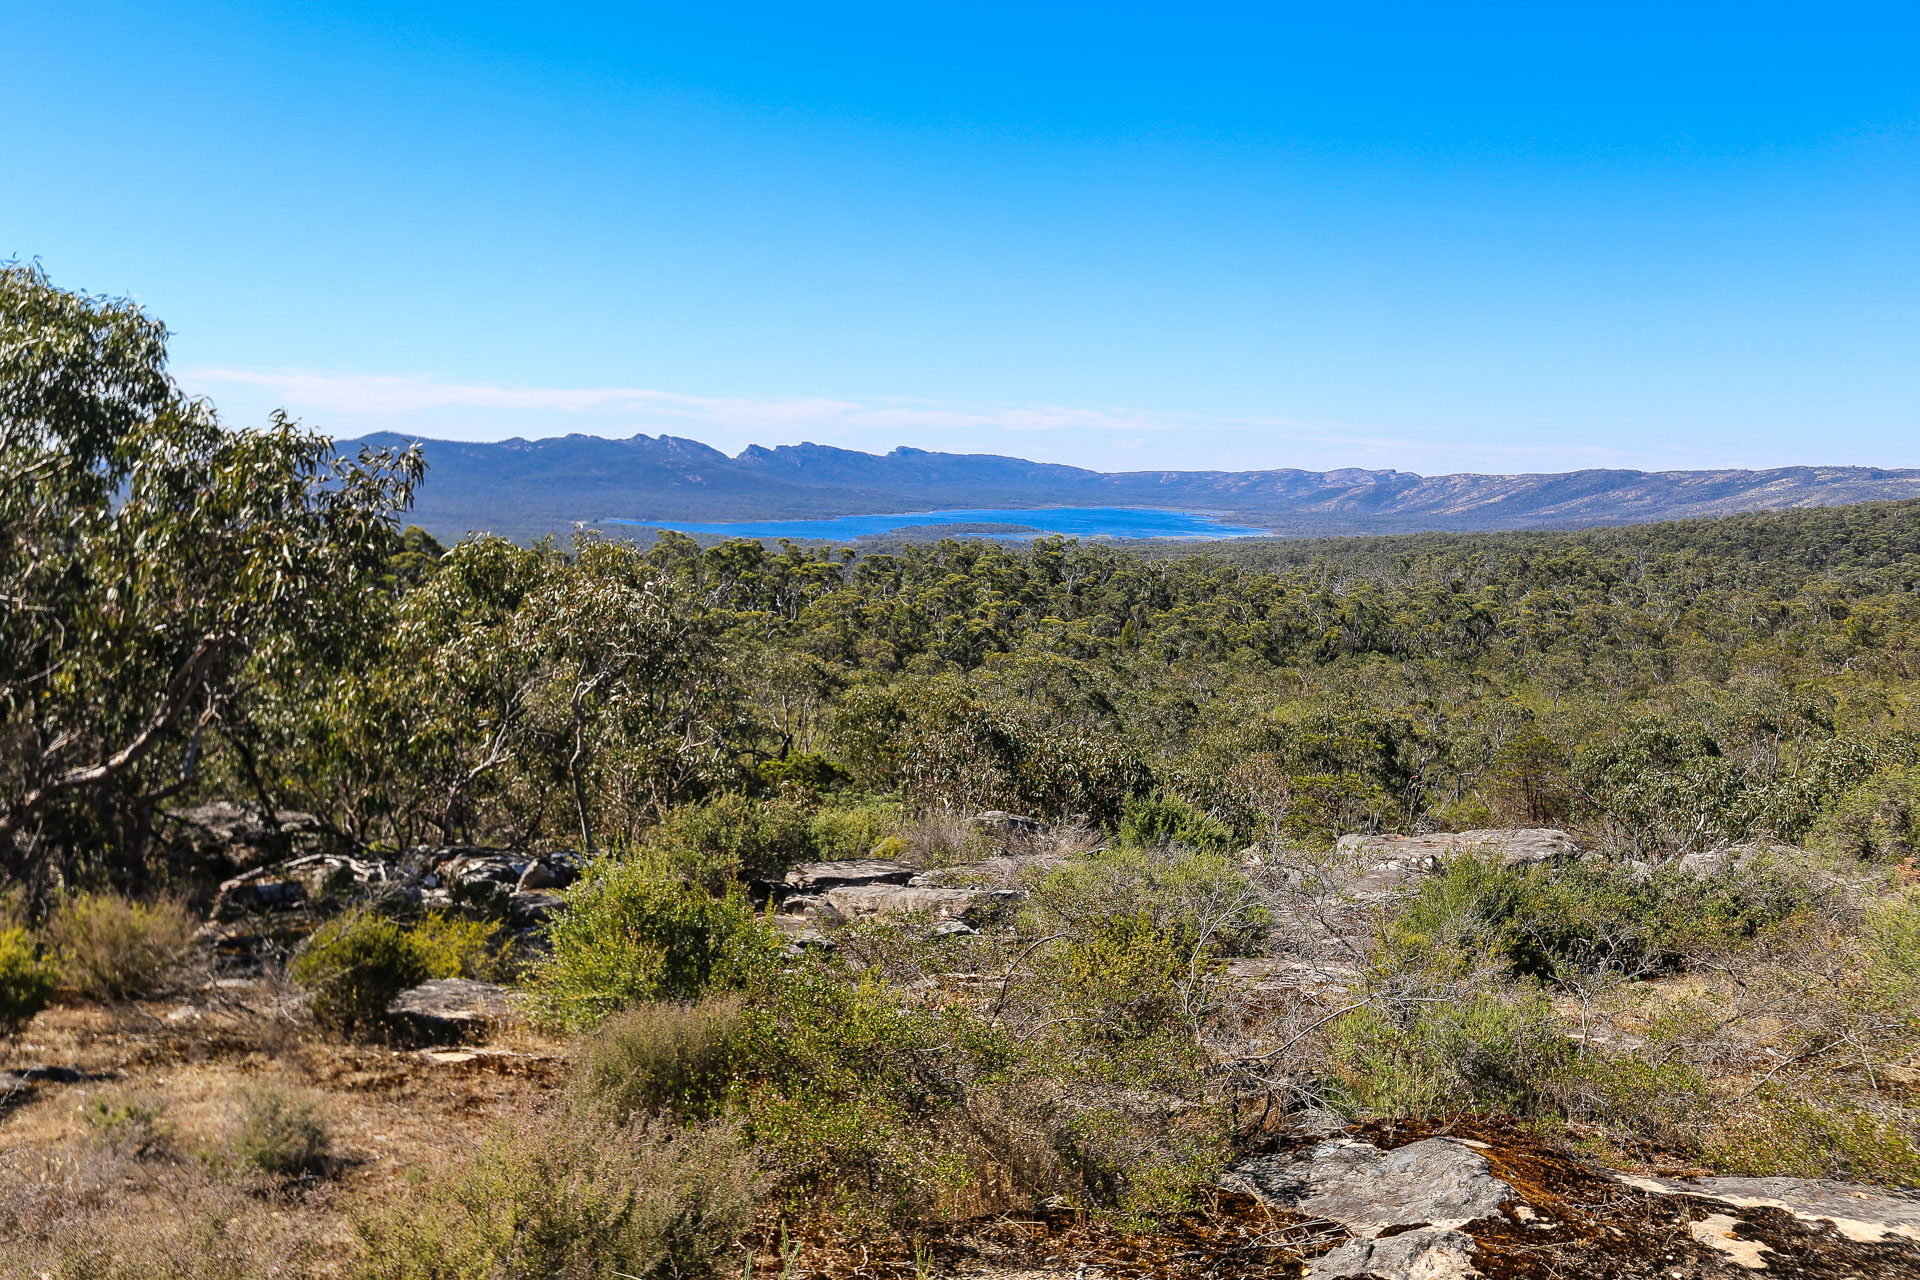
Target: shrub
(634,931)
(660,1056)
(27,982)
(1781,1135)
(1198,900)
(852,830)
(281,1134)
(733,837)
(1482,1052)
(455,947)
(850,1089)
(354,965)
(130,1125)
(113,949)
(1547,923)
(575,1194)
(1148,822)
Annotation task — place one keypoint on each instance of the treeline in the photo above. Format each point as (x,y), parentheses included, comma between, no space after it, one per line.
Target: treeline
(194,611)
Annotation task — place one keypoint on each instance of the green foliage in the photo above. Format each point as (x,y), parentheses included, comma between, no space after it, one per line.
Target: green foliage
(856,829)
(27,982)
(1880,818)
(733,837)
(1490,1051)
(1784,1135)
(111,948)
(1203,903)
(455,947)
(281,1133)
(850,1089)
(634,930)
(576,1194)
(178,571)
(1157,820)
(353,966)
(1592,917)
(356,963)
(806,772)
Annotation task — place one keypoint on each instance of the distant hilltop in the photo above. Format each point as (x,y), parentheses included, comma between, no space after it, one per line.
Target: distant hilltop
(525,489)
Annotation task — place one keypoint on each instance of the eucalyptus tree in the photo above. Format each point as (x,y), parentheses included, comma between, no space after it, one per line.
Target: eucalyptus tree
(156,570)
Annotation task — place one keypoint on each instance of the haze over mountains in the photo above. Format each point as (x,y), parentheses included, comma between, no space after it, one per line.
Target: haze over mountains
(524,489)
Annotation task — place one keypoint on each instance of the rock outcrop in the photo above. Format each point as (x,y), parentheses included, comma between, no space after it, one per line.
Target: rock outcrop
(451,1008)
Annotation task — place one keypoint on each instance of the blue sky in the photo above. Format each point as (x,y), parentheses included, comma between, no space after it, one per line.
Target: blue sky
(1436,237)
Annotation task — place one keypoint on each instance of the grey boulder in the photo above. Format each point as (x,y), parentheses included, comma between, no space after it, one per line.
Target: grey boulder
(1438,1182)
(1424,1254)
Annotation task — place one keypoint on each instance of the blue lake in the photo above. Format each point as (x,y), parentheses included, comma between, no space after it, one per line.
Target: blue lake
(1079,522)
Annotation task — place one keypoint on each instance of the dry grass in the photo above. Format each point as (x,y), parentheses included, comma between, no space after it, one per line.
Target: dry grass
(74,1204)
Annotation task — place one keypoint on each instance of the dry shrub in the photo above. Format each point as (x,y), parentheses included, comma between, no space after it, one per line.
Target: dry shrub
(573,1194)
(111,948)
(281,1133)
(132,1125)
(941,838)
(660,1057)
(105,1215)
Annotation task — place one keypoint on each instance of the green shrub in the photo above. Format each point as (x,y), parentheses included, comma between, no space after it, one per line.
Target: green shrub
(1541,922)
(575,1194)
(281,1134)
(856,830)
(661,1056)
(1196,899)
(455,947)
(113,949)
(1150,821)
(806,772)
(27,982)
(852,1091)
(1482,1052)
(354,965)
(733,837)
(131,1125)
(1779,1134)
(632,931)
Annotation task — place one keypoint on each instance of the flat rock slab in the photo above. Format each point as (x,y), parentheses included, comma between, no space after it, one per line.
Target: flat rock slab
(818,877)
(1866,1214)
(1002,871)
(1438,1182)
(1516,846)
(868,901)
(452,1003)
(1424,1254)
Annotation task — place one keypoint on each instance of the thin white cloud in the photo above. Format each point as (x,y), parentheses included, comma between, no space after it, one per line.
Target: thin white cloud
(379,395)
(1149,441)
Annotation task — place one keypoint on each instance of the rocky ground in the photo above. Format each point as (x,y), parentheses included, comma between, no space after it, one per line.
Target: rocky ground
(1315,1197)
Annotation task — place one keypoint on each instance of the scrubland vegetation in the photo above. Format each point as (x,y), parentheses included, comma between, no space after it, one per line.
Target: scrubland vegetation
(1722,713)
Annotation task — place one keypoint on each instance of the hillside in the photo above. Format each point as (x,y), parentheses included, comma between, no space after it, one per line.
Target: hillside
(524,489)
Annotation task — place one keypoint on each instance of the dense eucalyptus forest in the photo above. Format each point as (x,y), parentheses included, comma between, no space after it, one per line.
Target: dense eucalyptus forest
(1145,757)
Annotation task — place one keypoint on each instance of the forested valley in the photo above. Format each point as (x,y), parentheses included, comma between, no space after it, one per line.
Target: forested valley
(831,909)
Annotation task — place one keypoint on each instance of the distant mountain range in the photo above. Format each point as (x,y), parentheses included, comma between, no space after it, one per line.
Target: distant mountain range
(525,489)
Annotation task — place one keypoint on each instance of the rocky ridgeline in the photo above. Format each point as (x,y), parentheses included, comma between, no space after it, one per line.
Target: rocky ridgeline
(519,887)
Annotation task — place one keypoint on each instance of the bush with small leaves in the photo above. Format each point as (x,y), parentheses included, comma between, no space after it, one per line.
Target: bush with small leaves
(661,1056)
(633,931)
(574,1193)
(353,966)
(135,1126)
(111,948)
(27,981)
(281,1134)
